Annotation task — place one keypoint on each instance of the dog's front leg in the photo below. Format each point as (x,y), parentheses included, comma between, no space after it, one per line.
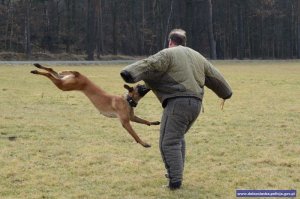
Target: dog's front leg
(130,130)
(136,119)
(142,121)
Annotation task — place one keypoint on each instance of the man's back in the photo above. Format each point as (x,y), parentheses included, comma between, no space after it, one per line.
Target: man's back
(188,63)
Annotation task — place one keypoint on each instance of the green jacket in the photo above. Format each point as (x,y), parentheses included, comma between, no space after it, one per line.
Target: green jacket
(177,72)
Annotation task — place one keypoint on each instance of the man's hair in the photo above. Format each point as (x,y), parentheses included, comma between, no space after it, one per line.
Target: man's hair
(178,36)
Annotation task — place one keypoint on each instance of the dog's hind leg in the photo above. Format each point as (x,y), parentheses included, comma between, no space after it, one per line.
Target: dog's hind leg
(50,70)
(56,81)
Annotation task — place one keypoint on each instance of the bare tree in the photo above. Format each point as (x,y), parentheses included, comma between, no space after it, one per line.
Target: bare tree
(68,25)
(168,23)
(27,33)
(115,26)
(91,29)
(298,27)
(212,42)
(99,32)
(9,26)
(241,33)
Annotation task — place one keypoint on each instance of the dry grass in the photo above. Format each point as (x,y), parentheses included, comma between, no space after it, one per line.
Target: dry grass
(56,145)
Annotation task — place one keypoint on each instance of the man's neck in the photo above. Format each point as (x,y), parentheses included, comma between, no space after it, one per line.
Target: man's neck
(172,45)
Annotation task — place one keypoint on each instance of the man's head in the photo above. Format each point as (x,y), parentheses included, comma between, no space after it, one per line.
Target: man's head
(177,37)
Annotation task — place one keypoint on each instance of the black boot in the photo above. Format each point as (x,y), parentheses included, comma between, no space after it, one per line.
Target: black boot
(174,185)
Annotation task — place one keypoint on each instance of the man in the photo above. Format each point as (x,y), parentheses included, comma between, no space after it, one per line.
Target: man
(177,76)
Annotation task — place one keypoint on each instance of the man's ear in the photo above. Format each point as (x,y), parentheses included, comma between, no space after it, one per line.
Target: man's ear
(130,89)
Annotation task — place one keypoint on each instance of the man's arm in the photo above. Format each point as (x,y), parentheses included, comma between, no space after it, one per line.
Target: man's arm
(147,68)
(216,82)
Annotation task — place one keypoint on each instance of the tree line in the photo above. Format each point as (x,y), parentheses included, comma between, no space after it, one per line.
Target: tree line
(231,29)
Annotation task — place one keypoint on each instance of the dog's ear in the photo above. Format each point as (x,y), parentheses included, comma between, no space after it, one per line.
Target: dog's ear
(130,89)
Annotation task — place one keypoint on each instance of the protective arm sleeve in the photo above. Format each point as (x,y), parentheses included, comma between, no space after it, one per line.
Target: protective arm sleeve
(148,68)
(216,82)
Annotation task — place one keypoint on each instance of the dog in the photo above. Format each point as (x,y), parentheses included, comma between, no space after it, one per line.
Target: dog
(114,106)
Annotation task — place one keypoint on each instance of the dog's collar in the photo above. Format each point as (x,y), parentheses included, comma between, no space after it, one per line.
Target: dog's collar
(130,101)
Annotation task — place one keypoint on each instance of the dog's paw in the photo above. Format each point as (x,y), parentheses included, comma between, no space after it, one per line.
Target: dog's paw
(146,145)
(155,123)
(37,65)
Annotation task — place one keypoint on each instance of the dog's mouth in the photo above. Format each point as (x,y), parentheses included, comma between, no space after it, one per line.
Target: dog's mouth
(142,90)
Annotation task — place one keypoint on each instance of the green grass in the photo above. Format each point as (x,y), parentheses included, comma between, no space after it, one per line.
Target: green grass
(65,149)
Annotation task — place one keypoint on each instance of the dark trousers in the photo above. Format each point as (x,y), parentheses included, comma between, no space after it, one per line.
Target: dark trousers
(178,116)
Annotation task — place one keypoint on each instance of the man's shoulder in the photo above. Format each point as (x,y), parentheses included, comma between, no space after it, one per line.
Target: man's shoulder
(172,50)
(182,50)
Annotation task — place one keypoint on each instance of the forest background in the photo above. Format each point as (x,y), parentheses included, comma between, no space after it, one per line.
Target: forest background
(219,29)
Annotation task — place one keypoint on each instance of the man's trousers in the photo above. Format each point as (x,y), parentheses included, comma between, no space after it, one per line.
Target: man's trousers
(178,116)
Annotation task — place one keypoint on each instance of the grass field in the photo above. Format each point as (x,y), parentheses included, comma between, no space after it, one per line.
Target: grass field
(55,144)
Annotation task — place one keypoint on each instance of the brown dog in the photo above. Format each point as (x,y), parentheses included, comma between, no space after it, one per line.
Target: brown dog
(108,105)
